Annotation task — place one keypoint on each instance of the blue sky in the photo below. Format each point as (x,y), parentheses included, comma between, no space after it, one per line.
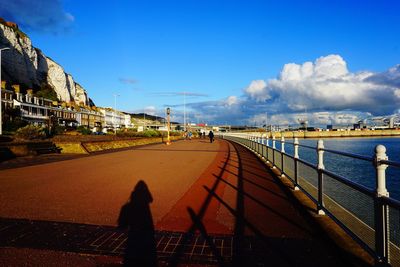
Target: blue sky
(143,49)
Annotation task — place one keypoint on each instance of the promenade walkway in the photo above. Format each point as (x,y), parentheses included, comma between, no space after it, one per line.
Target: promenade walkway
(213,204)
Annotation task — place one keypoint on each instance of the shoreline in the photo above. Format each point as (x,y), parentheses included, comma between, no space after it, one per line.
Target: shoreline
(332,134)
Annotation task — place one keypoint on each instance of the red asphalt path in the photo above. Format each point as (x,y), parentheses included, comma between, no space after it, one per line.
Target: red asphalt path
(245,198)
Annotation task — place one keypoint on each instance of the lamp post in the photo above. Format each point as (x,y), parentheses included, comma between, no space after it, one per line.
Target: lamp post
(184,111)
(168,126)
(1,105)
(115,113)
(144,119)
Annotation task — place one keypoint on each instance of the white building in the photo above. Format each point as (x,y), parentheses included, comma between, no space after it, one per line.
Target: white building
(113,119)
(127,121)
(33,109)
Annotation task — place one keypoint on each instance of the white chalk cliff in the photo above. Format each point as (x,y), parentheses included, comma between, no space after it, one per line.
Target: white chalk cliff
(26,65)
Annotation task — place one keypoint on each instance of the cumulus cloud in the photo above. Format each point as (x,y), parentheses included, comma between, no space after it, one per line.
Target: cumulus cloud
(326,84)
(258,90)
(232,100)
(42,16)
(390,77)
(315,118)
(323,92)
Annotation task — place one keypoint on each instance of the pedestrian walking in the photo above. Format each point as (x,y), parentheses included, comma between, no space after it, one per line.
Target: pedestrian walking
(211,136)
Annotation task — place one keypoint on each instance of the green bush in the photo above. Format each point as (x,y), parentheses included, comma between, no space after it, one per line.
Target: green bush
(83,130)
(151,133)
(30,132)
(134,133)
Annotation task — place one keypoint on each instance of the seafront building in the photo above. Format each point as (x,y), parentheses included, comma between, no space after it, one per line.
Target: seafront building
(41,111)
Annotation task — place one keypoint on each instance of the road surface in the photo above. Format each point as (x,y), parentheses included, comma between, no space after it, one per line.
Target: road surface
(228,190)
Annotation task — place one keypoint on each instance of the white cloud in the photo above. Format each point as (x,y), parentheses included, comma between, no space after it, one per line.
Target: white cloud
(232,100)
(323,92)
(257,90)
(39,16)
(151,110)
(326,84)
(316,118)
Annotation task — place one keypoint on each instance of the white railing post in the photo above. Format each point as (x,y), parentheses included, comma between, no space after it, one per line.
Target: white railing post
(380,154)
(273,151)
(262,146)
(381,209)
(267,148)
(320,168)
(296,164)
(282,152)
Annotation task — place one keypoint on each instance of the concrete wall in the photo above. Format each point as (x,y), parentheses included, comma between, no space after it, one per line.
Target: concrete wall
(21,149)
(90,147)
(332,134)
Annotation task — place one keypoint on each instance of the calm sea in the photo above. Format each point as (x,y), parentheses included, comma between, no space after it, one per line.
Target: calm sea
(356,170)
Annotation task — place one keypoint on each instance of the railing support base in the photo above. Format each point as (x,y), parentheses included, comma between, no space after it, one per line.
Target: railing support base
(320,212)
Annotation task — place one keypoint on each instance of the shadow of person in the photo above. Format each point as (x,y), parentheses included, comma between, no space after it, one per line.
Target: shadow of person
(136,216)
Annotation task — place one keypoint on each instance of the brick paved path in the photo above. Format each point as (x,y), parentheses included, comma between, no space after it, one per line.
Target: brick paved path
(212,204)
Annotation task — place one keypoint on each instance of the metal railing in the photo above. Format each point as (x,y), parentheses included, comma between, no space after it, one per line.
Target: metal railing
(369,216)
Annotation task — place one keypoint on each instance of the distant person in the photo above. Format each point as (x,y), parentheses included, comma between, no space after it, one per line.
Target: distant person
(190,135)
(136,216)
(204,135)
(211,136)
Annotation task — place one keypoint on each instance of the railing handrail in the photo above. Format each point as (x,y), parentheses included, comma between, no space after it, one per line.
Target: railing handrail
(379,196)
(390,163)
(342,153)
(350,155)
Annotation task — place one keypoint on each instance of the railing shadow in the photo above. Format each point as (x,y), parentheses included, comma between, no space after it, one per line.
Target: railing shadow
(271,249)
(197,224)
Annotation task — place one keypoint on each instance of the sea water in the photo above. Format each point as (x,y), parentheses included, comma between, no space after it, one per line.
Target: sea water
(359,171)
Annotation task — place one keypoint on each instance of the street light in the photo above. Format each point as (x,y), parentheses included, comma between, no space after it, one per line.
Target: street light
(115,113)
(168,126)
(1,105)
(184,111)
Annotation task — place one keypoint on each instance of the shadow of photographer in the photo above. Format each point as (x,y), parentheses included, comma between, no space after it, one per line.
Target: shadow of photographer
(136,216)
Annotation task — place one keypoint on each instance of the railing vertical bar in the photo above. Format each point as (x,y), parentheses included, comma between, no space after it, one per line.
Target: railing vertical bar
(296,164)
(381,209)
(273,151)
(282,153)
(320,152)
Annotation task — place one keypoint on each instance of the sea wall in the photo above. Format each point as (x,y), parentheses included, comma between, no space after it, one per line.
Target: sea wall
(96,146)
(331,134)
(23,148)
